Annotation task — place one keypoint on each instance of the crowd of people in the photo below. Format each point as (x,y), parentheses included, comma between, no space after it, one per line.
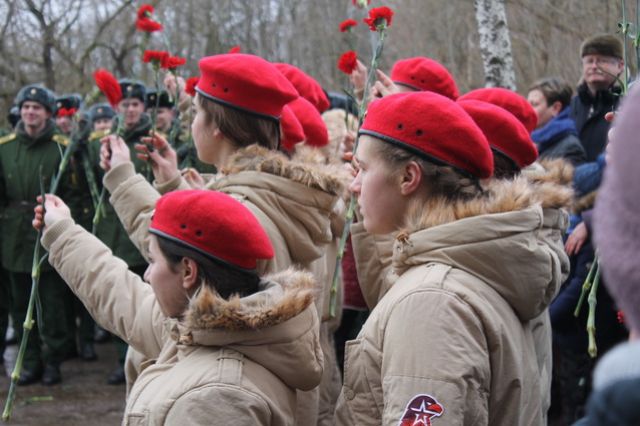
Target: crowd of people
(211,258)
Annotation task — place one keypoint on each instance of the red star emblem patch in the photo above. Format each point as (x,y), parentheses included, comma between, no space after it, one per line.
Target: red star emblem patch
(420,411)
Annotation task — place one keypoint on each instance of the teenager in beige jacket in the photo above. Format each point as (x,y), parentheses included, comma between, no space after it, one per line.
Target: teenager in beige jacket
(232,348)
(237,130)
(450,340)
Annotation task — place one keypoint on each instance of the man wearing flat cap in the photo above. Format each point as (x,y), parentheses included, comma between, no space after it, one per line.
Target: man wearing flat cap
(599,92)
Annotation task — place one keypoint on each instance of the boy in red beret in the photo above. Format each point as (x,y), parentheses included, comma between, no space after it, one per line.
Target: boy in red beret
(231,347)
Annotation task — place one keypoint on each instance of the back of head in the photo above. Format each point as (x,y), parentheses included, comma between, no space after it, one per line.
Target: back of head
(509,140)
(244,95)
(509,100)
(424,74)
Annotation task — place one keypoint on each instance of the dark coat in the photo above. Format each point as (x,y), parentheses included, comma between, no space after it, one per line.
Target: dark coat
(617,404)
(588,113)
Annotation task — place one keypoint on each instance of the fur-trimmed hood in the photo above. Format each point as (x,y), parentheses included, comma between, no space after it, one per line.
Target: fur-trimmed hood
(496,238)
(297,197)
(276,327)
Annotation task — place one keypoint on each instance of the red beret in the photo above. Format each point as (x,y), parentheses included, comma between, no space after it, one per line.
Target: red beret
(213,224)
(509,100)
(245,82)
(306,86)
(424,74)
(315,130)
(504,132)
(433,127)
(291,129)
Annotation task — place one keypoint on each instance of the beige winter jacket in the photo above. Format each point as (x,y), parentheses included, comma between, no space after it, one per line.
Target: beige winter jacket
(451,340)
(293,201)
(235,362)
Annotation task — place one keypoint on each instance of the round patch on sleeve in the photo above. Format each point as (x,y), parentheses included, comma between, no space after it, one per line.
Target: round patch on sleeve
(421,410)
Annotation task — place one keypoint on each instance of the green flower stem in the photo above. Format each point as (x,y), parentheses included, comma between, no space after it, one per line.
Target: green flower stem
(586,286)
(591,319)
(625,31)
(28,321)
(175,126)
(352,202)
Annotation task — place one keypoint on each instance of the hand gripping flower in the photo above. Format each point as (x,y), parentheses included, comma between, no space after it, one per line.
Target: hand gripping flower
(379,20)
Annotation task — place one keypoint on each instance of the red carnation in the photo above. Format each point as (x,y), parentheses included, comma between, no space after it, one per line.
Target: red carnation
(347,24)
(158,57)
(360,3)
(66,112)
(190,86)
(234,49)
(148,25)
(173,62)
(348,62)
(109,86)
(379,18)
(145,11)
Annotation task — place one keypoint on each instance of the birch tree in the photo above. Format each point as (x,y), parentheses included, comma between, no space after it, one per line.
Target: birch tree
(495,44)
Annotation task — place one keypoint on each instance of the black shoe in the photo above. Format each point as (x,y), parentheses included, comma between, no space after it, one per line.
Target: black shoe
(101,335)
(117,376)
(87,352)
(29,377)
(51,375)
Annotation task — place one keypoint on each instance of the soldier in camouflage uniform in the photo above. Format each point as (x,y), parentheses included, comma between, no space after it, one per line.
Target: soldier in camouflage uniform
(35,147)
(136,125)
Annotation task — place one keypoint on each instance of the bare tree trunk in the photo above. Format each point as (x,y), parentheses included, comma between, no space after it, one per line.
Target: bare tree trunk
(495,44)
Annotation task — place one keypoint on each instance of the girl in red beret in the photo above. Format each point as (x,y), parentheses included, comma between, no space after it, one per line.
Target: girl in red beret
(229,347)
(237,127)
(449,339)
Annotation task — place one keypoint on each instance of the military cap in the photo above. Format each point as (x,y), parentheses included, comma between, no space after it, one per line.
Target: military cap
(36,93)
(132,89)
(99,111)
(69,101)
(165,100)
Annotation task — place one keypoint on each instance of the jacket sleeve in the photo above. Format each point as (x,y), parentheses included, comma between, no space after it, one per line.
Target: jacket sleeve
(117,298)
(372,254)
(227,404)
(434,346)
(134,200)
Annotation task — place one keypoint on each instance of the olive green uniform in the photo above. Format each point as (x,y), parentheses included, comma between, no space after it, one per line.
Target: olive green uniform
(22,158)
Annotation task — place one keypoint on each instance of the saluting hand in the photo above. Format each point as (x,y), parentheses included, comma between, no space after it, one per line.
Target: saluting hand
(54,210)
(163,158)
(113,152)
(384,86)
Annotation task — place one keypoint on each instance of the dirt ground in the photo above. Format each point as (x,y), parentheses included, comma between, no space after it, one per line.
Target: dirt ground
(83,397)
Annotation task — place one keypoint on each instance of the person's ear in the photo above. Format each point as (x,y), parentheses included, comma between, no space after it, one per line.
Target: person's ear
(411,178)
(556,107)
(189,273)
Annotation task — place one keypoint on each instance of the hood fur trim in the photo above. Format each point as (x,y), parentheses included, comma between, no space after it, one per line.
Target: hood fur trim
(500,196)
(585,202)
(207,310)
(552,181)
(260,159)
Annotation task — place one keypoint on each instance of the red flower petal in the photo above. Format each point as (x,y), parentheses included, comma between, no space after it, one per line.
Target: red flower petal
(234,49)
(148,25)
(376,15)
(173,62)
(347,24)
(145,11)
(109,86)
(348,62)
(190,86)
(158,56)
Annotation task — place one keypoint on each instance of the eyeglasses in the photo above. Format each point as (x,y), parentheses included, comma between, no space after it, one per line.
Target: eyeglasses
(590,60)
